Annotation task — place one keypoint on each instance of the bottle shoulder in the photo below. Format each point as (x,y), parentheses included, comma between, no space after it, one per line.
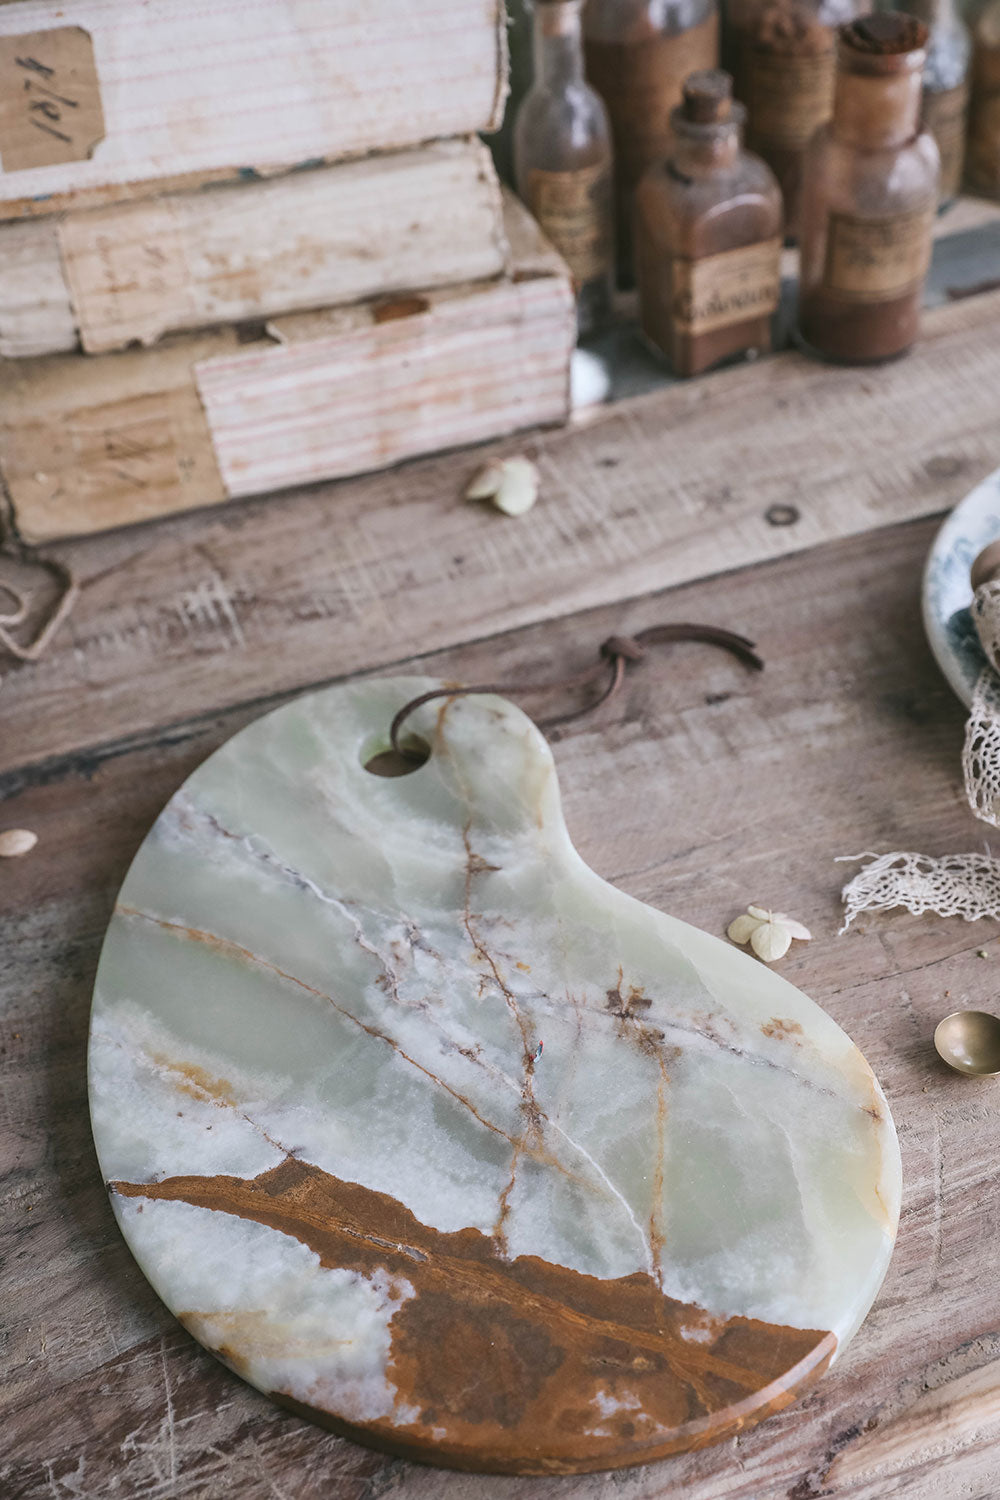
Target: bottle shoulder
(895,180)
(711,213)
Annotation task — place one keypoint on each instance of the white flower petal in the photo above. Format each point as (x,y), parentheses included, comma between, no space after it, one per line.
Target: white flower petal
(518,489)
(796,929)
(760,912)
(485,482)
(742,930)
(771,941)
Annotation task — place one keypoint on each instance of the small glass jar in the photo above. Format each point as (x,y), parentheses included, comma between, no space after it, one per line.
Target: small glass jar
(870,195)
(563,159)
(783,57)
(982,163)
(638,54)
(946,86)
(708,236)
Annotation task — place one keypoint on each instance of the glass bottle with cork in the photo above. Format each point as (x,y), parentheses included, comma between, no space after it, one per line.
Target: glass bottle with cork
(783,57)
(638,54)
(563,159)
(708,236)
(983,153)
(870,195)
(946,86)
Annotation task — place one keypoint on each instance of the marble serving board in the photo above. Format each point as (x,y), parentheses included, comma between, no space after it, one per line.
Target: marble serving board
(437,1138)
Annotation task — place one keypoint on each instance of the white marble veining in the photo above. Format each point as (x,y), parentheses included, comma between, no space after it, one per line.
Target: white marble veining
(416,985)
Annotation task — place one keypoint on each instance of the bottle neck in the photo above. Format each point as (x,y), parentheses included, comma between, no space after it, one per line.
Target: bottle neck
(704,154)
(876,113)
(558,47)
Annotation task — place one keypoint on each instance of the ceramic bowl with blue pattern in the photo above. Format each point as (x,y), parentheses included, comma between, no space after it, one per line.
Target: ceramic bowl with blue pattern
(947,592)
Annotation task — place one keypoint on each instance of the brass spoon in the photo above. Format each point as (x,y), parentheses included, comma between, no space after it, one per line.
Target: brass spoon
(969,1042)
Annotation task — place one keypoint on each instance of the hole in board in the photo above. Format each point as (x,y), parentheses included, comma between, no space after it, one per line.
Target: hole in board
(411,755)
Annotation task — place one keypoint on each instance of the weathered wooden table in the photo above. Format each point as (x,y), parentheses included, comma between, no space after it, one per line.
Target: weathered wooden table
(788,500)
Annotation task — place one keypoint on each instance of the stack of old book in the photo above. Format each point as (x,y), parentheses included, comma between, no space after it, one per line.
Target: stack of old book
(249,247)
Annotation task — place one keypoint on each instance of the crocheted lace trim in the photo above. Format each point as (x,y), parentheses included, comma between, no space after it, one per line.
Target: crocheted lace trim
(957,885)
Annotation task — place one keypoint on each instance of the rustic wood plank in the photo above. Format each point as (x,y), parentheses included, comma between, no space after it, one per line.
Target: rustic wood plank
(194,92)
(199,613)
(111,277)
(699,789)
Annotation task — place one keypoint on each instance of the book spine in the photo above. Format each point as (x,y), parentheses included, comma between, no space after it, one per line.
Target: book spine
(89,443)
(129,274)
(103,100)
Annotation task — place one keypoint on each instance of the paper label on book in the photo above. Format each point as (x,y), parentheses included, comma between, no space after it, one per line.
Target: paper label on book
(944,116)
(574,210)
(111,464)
(127,274)
(788,97)
(731,287)
(50,98)
(872,260)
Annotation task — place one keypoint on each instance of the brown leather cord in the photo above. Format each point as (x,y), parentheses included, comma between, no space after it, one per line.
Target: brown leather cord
(615,654)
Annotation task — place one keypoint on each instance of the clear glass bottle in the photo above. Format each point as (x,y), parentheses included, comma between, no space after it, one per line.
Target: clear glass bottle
(869,199)
(639,53)
(946,86)
(783,57)
(563,158)
(982,162)
(708,235)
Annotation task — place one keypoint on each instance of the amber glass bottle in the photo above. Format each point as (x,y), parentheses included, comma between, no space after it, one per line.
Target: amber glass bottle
(708,236)
(638,54)
(870,195)
(983,158)
(946,86)
(783,56)
(563,160)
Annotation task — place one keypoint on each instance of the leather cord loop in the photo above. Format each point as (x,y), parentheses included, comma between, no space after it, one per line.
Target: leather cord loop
(616,652)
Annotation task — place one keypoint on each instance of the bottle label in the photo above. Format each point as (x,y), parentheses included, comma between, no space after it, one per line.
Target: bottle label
(574,209)
(789,96)
(944,116)
(732,287)
(872,260)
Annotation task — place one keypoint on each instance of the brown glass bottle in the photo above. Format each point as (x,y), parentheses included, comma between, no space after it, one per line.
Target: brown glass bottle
(638,54)
(982,167)
(783,56)
(563,158)
(708,235)
(946,86)
(870,195)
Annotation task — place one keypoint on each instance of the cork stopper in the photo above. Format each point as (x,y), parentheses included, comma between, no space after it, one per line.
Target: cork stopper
(986,566)
(886,34)
(707,97)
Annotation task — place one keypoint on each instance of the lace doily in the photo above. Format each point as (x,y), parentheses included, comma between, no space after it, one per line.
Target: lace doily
(958,885)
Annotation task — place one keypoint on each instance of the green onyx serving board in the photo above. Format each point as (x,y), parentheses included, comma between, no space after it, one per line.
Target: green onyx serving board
(436,1137)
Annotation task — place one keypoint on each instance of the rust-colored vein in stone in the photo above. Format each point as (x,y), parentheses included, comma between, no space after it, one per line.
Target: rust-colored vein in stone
(246,955)
(518,1365)
(530,1136)
(628,1008)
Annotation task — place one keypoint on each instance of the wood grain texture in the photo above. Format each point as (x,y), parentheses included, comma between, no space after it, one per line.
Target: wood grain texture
(89,444)
(194,91)
(110,277)
(199,613)
(697,790)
